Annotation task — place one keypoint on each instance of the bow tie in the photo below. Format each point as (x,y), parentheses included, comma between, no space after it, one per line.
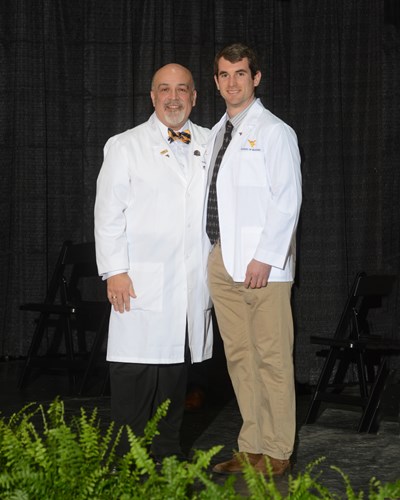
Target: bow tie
(179,136)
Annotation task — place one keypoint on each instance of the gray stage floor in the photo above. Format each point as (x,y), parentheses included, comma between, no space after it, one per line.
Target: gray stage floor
(334,436)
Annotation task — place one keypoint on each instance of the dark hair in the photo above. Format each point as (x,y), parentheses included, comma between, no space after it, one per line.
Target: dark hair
(235,53)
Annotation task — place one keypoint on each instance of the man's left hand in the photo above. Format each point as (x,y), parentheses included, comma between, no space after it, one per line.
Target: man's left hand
(257,274)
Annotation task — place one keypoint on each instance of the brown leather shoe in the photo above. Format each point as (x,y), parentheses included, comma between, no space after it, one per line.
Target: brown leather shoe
(279,467)
(236,463)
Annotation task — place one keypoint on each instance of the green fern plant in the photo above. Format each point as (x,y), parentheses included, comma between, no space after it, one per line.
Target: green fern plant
(44,457)
(75,461)
(61,461)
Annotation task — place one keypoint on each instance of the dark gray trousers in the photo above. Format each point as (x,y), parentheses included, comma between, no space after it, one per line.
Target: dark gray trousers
(137,390)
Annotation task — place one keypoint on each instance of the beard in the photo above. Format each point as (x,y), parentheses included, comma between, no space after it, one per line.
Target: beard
(174,116)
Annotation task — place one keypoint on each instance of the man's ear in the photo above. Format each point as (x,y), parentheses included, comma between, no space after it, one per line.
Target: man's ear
(216,81)
(194,98)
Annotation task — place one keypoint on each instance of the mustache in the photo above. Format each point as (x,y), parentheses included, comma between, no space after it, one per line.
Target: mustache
(173,102)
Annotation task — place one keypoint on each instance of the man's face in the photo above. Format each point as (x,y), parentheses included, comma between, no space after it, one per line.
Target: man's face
(236,85)
(173,95)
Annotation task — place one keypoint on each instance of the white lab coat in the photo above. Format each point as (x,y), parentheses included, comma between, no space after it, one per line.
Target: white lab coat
(259,194)
(148,220)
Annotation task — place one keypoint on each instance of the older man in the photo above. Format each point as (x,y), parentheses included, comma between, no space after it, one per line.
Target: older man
(148,213)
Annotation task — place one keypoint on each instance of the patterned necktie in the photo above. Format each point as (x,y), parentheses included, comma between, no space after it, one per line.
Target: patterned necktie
(212,227)
(179,136)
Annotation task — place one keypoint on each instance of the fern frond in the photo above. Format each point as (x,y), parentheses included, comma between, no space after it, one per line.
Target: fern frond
(379,491)
(151,429)
(138,454)
(56,413)
(306,487)
(351,495)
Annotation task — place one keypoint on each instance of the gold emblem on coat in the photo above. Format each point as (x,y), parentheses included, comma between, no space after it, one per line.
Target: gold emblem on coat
(252,143)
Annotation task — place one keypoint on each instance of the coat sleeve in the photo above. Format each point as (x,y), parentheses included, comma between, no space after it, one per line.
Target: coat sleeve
(282,163)
(112,199)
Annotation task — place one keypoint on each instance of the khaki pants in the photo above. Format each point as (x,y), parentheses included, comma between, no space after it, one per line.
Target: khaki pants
(257,330)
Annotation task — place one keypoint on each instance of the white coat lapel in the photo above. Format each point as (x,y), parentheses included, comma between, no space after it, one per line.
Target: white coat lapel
(197,165)
(242,134)
(168,160)
(162,152)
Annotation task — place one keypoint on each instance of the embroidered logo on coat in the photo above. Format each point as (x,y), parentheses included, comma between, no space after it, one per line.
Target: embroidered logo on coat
(252,143)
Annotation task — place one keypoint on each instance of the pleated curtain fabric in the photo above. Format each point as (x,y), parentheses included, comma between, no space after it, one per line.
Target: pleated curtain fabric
(74,74)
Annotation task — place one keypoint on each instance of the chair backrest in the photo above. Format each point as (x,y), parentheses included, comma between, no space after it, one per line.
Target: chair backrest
(79,262)
(87,296)
(75,261)
(54,284)
(75,283)
(366,293)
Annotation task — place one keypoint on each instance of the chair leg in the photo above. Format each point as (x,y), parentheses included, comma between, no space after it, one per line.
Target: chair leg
(362,375)
(322,385)
(81,336)
(33,349)
(57,337)
(369,420)
(96,347)
(342,369)
(69,349)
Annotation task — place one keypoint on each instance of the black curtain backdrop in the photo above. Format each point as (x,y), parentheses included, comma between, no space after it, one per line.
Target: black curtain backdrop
(73,73)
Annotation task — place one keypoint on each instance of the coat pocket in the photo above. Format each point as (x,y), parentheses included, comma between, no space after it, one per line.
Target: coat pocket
(148,283)
(250,170)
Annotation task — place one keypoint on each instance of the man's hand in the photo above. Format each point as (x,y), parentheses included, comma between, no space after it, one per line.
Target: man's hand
(119,290)
(257,274)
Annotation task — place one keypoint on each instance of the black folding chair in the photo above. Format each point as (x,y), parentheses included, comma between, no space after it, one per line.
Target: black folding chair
(67,315)
(354,345)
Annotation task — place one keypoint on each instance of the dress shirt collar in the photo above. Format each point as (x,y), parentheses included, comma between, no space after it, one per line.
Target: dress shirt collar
(238,119)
